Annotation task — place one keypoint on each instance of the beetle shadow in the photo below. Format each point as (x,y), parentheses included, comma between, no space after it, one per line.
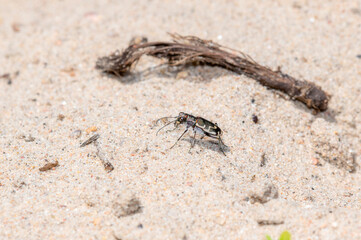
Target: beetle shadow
(200,72)
(213,145)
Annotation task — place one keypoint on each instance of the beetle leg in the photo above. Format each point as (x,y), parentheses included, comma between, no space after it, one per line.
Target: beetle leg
(179,138)
(165,126)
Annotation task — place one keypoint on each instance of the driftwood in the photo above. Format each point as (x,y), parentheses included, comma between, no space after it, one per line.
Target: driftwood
(190,50)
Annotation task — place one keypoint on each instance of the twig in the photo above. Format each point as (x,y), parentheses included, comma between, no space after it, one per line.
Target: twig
(192,50)
(263,160)
(103,158)
(49,166)
(90,140)
(269,222)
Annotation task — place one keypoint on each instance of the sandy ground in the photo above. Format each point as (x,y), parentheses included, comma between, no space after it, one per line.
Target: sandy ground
(295,168)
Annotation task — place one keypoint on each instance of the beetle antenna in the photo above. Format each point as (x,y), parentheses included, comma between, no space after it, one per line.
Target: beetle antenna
(165,126)
(164,118)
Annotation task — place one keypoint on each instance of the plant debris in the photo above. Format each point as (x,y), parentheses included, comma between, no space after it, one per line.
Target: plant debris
(9,77)
(187,50)
(49,166)
(263,160)
(104,158)
(90,140)
(269,222)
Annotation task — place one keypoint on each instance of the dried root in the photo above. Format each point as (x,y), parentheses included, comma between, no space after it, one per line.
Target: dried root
(193,50)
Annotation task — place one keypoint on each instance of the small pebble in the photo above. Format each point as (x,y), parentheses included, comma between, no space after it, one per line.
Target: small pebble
(91,129)
(315,161)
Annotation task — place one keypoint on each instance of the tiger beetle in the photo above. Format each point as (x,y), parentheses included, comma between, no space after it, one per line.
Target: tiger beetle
(198,125)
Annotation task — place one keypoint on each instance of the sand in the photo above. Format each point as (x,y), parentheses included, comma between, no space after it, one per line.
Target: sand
(294,168)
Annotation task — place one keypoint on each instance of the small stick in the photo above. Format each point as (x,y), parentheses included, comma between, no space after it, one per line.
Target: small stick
(90,140)
(263,160)
(193,50)
(103,158)
(48,166)
(269,222)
